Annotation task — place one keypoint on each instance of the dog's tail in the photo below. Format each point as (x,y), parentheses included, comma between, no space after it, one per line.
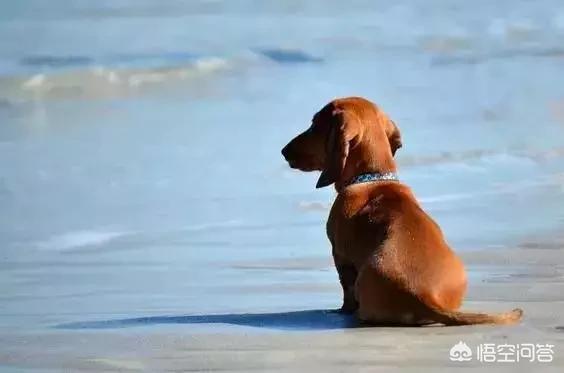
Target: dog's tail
(451,318)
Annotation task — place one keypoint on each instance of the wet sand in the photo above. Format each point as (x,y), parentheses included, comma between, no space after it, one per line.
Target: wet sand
(531,277)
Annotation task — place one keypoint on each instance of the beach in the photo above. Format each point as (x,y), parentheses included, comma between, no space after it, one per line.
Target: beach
(294,337)
(148,221)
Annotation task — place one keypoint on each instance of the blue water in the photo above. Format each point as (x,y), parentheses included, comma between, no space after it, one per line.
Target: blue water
(140,167)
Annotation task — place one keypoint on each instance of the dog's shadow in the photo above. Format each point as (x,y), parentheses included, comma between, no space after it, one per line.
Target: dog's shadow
(297,320)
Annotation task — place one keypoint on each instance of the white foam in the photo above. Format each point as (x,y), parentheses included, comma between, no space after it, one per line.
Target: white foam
(34,82)
(110,75)
(136,80)
(101,81)
(211,64)
(79,239)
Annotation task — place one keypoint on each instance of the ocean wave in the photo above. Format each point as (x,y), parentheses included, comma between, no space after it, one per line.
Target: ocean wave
(79,239)
(536,155)
(500,189)
(444,157)
(72,76)
(483,57)
(91,81)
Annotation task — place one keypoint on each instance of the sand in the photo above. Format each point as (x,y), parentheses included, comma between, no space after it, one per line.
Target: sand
(312,340)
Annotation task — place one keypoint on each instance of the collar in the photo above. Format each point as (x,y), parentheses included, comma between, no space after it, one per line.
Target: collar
(373,176)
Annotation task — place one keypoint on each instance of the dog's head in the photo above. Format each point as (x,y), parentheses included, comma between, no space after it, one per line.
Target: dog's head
(345,134)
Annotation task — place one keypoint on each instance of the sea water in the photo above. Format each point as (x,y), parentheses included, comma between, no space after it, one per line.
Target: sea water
(140,166)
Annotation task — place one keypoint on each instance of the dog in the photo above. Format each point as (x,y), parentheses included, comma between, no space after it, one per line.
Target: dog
(392,259)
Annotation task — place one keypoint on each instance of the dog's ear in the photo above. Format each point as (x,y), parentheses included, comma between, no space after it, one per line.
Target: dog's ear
(343,134)
(394,138)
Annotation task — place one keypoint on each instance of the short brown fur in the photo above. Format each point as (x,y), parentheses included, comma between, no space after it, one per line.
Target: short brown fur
(393,262)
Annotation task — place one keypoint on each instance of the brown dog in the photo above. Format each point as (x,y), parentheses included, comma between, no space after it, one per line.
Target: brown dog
(393,262)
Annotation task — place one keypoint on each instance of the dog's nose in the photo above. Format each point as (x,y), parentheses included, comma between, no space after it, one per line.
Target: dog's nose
(285,151)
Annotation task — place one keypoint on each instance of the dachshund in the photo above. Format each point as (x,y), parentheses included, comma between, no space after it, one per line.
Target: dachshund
(394,264)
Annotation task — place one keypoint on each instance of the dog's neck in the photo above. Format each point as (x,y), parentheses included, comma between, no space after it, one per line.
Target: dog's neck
(365,161)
